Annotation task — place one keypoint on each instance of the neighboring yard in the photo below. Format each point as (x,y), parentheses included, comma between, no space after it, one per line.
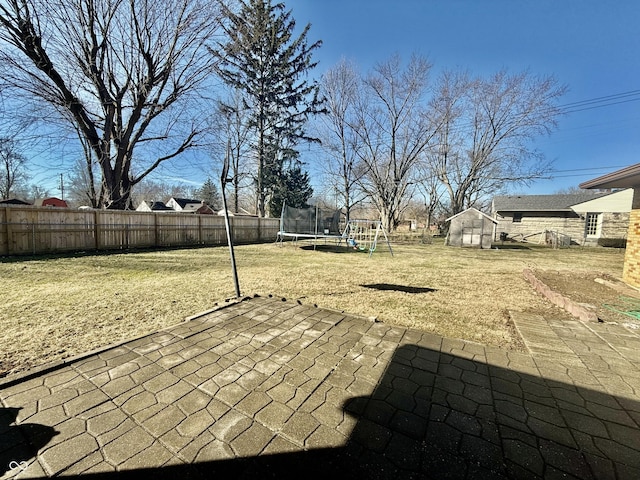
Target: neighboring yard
(54,308)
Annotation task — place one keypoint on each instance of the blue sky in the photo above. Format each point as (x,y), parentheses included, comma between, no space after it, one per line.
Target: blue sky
(591,46)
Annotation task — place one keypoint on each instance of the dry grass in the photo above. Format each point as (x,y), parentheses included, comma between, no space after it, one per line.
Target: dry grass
(58,307)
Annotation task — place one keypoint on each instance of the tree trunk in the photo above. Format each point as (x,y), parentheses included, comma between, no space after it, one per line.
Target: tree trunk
(261,169)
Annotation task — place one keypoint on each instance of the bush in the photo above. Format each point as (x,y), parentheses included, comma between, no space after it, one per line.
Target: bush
(613,242)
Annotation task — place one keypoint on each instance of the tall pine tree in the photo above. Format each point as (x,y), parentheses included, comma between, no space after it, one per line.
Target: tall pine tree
(293,187)
(264,61)
(210,194)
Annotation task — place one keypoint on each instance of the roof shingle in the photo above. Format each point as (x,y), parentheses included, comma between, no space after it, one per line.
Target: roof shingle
(541,203)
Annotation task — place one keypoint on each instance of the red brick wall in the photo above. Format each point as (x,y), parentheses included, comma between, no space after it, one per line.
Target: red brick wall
(631,272)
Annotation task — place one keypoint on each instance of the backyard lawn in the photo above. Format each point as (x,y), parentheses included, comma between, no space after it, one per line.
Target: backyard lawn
(58,307)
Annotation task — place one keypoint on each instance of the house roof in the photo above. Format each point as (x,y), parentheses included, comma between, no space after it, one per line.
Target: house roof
(13,201)
(153,206)
(185,201)
(159,206)
(192,207)
(471,209)
(541,203)
(50,201)
(205,209)
(627,177)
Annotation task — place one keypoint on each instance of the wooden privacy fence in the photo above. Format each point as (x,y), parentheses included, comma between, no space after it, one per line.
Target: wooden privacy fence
(26,230)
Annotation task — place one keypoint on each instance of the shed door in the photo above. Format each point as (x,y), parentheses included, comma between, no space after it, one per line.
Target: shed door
(472,232)
(470,237)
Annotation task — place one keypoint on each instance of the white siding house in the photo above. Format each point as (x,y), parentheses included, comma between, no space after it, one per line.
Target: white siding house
(606,217)
(184,204)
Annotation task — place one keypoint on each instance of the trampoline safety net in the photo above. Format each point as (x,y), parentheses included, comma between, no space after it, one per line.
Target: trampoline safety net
(310,221)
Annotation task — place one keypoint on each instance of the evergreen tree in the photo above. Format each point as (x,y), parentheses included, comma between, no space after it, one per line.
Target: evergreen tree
(210,194)
(293,187)
(264,61)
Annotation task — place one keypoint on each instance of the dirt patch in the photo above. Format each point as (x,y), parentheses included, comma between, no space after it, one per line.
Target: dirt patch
(596,289)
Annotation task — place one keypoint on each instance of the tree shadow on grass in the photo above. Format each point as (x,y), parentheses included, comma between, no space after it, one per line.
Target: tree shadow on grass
(399,288)
(510,246)
(332,249)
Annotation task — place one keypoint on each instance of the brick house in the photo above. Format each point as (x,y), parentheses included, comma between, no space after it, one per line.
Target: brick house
(581,218)
(628,177)
(606,216)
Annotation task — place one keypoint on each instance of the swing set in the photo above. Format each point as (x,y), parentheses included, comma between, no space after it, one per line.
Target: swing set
(313,223)
(363,235)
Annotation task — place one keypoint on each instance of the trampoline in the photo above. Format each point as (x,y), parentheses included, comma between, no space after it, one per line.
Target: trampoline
(309,223)
(313,223)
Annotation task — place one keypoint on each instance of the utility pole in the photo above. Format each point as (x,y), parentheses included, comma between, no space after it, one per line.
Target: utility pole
(62,186)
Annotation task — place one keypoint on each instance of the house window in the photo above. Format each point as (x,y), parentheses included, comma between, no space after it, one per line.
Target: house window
(592,224)
(517,217)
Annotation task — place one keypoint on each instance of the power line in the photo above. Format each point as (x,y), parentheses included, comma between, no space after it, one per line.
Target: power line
(609,167)
(602,105)
(606,98)
(552,177)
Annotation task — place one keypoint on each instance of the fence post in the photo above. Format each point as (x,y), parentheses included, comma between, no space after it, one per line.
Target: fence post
(96,229)
(156,230)
(33,218)
(9,230)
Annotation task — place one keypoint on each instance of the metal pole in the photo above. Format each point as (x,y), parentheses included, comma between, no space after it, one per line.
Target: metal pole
(227,224)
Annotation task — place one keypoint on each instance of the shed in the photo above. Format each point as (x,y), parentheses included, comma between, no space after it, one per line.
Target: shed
(470,228)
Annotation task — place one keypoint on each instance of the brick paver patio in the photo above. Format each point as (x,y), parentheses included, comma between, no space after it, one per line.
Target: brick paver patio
(264,388)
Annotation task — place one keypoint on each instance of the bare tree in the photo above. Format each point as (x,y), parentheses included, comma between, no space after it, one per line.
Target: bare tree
(81,187)
(36,191)
(394,131)
(343,168)
(123,72)
(20,141)
(151,190)
(430,188)
(84,186)
(486,130)
(443,161)
(13,170)
(235,134)
(575,190)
